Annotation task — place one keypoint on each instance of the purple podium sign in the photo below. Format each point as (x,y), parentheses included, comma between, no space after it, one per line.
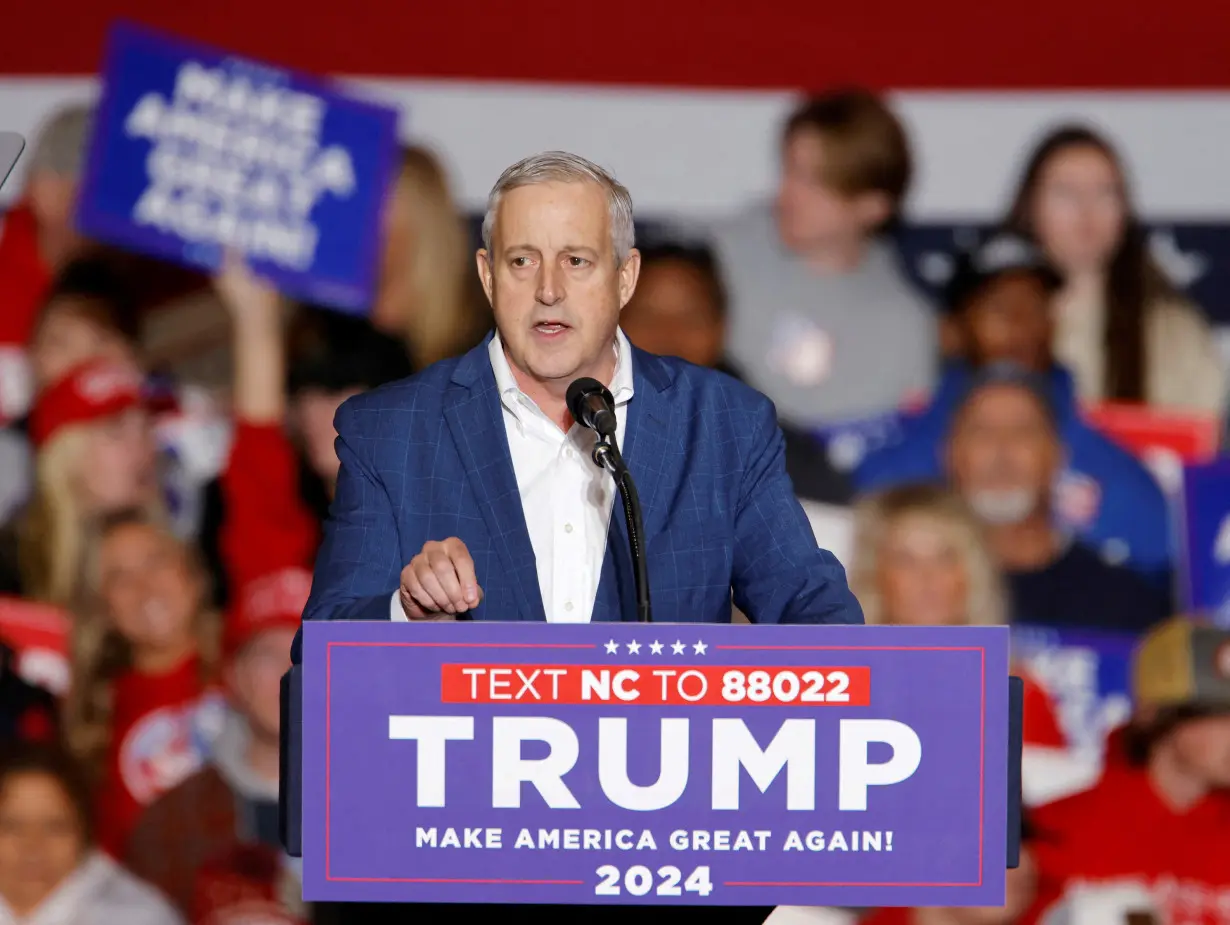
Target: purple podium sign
(655,764)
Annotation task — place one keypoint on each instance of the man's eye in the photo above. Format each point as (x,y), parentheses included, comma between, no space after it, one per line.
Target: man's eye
(521,261)
(577,262)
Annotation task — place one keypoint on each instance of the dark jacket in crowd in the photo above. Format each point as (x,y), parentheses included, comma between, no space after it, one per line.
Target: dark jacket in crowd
(1106,497)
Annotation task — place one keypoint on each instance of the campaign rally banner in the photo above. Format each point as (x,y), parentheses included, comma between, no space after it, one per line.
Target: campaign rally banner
(1087,674)
(654,764)
(196,151)
(1205,576)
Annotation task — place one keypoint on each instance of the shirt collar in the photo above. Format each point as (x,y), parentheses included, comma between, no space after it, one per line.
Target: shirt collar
(621,383)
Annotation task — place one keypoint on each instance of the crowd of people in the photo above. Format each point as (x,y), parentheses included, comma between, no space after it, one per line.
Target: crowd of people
(167,460)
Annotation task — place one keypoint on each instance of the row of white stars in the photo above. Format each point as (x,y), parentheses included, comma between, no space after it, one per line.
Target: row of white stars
(655,647)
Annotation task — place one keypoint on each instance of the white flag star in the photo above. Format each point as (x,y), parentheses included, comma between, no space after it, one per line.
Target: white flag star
(634,647)
(655,647)
(677,647)
(612,647)
(699,648)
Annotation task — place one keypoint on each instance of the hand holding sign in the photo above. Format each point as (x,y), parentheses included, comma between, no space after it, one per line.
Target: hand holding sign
(440,580)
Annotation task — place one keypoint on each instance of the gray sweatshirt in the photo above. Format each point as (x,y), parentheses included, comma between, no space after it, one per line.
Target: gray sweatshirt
(827,349)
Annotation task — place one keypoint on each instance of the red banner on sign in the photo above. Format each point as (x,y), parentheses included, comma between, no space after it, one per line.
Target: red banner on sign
(681,685)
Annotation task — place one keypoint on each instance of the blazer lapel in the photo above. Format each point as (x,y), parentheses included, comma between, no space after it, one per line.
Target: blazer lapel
(646,449)
(475,420)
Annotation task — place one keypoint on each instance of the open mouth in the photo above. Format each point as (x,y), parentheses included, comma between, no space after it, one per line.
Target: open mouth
(550,327)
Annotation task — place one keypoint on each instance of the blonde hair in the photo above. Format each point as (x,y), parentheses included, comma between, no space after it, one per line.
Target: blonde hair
(99,654)
(442,312)
(875,517)
(55,531)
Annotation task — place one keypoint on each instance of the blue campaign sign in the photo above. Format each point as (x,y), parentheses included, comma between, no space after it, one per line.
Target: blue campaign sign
(654,764)
(1086,672)
(1205,579)
(196,151)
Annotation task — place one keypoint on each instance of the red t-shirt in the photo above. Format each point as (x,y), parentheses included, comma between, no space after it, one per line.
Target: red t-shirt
(1040,726)
(162,725)
(1121,830)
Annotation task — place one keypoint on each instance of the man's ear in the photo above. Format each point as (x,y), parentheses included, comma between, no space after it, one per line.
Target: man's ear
(483,260)
(629,273)
(873,208)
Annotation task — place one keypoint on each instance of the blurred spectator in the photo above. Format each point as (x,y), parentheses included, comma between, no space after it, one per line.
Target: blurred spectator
(1021,888)
(921,560)
(999,303)
(1159,818)
(1004,454)
(89,313)
(95,456)
(823,319)
(283,465)
(140,711)
(48,873)
(39,235)
(1120,325)
(429,293)
(679,309)
(212,842)
(27,713)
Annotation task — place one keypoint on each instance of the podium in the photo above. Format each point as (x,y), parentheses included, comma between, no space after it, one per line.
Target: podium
(652,764)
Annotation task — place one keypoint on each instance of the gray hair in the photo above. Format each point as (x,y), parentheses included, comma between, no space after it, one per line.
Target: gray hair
(562,167)
(63,139)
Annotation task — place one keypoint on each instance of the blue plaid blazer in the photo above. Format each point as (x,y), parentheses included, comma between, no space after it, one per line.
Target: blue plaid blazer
(427,458)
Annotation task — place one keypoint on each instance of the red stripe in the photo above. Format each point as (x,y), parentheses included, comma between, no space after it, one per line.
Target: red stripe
(905,44)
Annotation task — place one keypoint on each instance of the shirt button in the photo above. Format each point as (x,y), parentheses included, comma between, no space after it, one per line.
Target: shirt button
(568,606)
(567,528)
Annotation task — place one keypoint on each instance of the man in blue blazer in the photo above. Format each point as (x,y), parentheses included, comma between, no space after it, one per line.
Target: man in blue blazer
(468,492)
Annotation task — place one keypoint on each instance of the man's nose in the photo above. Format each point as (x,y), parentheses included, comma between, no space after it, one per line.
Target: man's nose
(550,283)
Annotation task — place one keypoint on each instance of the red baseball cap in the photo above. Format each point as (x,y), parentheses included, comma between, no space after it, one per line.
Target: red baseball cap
(273,601)
(94,390)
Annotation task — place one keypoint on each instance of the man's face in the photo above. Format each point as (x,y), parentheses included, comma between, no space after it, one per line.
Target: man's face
(1003,454)
(674,314)
(1009,319)
(255,678)
(553,281)
(1202,747)
(812,213)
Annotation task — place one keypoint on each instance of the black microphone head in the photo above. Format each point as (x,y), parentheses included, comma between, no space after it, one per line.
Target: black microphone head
(577,393)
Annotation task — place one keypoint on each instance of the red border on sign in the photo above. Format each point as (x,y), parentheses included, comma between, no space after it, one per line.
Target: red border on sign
(735,883)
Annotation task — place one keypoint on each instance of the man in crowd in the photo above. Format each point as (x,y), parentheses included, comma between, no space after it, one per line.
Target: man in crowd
(679,309)
(1004,453)
(823,319)
(211,844)
(1154,832)
(999,301)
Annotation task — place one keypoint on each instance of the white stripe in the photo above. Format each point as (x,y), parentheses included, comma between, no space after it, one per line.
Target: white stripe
(704,153)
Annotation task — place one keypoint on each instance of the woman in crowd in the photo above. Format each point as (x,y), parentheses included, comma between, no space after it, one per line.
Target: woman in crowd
(49,874)
(429,293)
(89,312)
(141,711)
(920,559)
(94,455)
(1120,326)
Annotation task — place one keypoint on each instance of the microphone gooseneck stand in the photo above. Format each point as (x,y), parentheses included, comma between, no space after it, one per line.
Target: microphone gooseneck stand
(607,455)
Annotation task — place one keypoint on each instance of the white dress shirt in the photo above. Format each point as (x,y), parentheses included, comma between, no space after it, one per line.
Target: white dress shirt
(566,498)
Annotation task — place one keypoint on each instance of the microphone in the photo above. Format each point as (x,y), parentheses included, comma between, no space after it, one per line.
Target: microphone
(592,405)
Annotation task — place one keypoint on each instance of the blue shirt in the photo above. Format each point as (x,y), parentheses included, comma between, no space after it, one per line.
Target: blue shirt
(1105,496)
